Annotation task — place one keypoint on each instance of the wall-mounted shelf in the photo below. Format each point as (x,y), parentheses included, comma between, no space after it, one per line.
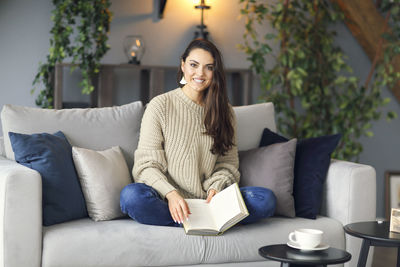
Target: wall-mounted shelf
(151,83)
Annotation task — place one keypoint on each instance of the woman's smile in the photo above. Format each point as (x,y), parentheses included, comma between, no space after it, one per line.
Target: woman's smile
(198,72)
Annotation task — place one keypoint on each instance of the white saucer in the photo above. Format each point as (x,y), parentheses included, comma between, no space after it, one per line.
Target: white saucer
(297,246)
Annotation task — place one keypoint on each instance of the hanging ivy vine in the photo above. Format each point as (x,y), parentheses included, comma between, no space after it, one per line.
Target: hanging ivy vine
(79,33)
(310,83)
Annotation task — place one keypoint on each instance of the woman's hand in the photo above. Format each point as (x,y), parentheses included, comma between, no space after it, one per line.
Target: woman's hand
(177,206)
(211,193)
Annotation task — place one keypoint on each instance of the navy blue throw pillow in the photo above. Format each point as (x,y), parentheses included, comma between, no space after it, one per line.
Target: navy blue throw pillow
(312,160)
(51,156)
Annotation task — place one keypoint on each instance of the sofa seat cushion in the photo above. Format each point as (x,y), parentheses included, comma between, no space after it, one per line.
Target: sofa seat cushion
(122,242)
(241,243)
(125,242)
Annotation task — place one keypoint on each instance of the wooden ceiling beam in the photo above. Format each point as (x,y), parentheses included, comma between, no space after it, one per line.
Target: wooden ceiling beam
(367,25)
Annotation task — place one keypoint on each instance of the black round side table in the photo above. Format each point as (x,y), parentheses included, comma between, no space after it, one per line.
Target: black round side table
(373,234)
(288,256)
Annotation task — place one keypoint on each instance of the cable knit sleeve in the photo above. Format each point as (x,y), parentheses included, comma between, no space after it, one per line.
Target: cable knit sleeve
(150,165)
(226,170)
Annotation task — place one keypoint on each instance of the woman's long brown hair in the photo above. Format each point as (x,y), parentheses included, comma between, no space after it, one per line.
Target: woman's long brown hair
(218,114)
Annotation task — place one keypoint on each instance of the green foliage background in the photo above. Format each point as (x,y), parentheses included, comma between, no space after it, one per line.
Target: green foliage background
(310,83)
(79,32)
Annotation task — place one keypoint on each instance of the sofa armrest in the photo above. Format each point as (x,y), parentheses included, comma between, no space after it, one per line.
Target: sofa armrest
(2,148)
(350,196)
(350,192)
(21,215)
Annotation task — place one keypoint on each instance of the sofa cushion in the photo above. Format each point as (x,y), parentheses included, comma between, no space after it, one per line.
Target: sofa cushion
(94,128)
(313,156)
(122,242)
(125,242)
(97,126)
(51,156)
(242,243)
(271,167)
(251,121)
(102,174)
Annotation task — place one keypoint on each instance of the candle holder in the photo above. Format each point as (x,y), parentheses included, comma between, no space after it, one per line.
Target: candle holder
(134,48)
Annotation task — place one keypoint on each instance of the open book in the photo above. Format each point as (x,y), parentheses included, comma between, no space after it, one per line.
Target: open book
(225,209)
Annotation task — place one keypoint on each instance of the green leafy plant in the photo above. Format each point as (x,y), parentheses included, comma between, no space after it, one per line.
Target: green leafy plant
(79,32)
(310,83)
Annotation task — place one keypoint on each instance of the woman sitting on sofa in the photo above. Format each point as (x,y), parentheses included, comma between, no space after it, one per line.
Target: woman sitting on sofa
(187,146)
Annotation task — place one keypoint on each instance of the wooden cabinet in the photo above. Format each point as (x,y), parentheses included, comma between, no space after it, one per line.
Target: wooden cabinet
(151,84)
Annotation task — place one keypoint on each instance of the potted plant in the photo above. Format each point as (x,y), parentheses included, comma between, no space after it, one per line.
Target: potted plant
(79,33)
(310,83)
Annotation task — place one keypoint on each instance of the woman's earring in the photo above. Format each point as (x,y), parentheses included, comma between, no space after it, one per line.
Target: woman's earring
(183,81)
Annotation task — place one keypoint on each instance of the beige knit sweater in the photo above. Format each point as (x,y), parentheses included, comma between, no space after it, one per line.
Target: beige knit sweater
(173,153)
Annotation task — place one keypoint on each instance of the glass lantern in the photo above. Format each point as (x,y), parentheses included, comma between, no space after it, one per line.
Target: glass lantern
(134,48)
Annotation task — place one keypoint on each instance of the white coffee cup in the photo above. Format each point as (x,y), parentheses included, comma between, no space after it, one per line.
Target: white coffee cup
(306,238)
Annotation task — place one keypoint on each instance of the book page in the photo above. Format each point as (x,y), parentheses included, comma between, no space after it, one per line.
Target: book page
(225,205)
(200,217)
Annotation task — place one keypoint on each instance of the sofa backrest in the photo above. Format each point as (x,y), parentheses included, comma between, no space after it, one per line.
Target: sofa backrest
(92,128)
(102,128)
(251,121)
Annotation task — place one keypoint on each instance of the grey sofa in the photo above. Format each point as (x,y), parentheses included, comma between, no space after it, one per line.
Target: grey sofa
(349,196)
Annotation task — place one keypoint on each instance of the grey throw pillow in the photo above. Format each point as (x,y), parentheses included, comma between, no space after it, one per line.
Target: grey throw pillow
(102,174)
(271,167)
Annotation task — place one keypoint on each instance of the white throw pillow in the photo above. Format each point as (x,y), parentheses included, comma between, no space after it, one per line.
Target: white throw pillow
(102,174)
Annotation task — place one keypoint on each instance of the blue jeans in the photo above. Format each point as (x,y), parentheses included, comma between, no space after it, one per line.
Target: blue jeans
(143,204)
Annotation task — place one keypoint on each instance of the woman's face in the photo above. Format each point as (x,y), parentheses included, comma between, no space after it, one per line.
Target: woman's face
(198,69)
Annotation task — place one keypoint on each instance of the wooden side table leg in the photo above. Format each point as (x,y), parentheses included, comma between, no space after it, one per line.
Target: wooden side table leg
(144,86)
(236,86)
(105,86)
(362,260)
(58,86)
(156,86)
(247,87)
